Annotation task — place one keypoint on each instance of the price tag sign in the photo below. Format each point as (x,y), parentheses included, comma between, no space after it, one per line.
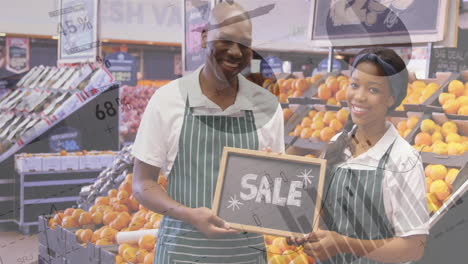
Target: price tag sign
(123,67)
(77,30)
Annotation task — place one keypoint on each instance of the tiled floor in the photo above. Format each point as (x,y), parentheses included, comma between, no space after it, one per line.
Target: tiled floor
(16,248)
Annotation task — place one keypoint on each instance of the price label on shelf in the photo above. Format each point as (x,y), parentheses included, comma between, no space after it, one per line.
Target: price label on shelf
(77,30)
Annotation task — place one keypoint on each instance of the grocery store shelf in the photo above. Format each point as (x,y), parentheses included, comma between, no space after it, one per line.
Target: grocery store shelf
(58,172)
(52,183)
(52,200)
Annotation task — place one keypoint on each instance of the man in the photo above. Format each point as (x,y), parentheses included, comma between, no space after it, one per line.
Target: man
(183,132)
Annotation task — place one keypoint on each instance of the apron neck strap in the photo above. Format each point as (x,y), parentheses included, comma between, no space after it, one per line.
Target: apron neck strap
(386,156)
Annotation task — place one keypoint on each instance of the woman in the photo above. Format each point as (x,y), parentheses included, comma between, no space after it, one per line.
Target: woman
(374,205)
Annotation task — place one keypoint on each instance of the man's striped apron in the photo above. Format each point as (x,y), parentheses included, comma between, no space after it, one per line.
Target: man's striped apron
(192,182)
(354,207)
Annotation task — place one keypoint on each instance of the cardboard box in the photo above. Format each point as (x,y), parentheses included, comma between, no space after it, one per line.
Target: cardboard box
(70,162)
(52,163)
(28,164)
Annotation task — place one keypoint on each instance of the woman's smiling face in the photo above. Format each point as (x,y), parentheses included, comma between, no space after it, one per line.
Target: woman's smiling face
(369,94)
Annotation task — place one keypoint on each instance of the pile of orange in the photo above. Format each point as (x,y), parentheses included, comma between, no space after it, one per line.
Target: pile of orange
(404,127)
(321,125)
(285,88)
(418,92)
(119,211)
(442,140)
(455,102)
(333,90)
(279,252)
(439,181)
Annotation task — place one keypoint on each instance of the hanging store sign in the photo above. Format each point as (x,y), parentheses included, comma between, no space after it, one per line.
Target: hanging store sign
(17,60)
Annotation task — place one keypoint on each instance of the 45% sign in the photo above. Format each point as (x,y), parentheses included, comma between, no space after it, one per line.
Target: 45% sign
(71,27)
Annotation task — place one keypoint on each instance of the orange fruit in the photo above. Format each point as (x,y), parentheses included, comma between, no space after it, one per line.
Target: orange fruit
(126,185)
(147,242)
(118,259)
(109,217)
(336,125)
(330,78)
(451,106)
(58,218)
(277,259)
(287,113)
(316,134)
(133,203)
(112,193)
(444,97)
(455,148)
(317,125)
(85,218)
(109,234)
(306,122)
(406,132)
(411,122)
(86,235)
(456,87)
(423,138)
(283,98)
(449,127)
(440,189)
(340,95)
(463,110)
(149,259)
(306,133)
(342,78)
(122,247)
(97,218)
(312,113)
(102,200)
(333,85)
(103,242)
(462,100)
(68,222)
(428,183)
(301,85)
(437,136)
(328,117)
(324,92)
(438,172)
(297,131)
(453,137)
(120,208)
(428,126)
(332,101)
(440,148)
(451,175)
(129,254)
(141,254)
(326,134)
(342,115)
(123,195)
(401,126)
(427,170)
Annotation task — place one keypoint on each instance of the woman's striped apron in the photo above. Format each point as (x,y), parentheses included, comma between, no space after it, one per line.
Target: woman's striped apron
(354,207)
(192,182)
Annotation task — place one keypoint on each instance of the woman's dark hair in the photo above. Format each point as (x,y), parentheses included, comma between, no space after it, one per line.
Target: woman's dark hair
(388,62)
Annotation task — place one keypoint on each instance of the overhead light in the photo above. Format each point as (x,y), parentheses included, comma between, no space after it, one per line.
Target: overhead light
(339,57)
(2,34)
(105,40)
(55,37)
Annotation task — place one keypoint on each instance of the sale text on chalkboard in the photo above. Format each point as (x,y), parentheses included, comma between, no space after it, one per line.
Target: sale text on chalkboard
(269,193)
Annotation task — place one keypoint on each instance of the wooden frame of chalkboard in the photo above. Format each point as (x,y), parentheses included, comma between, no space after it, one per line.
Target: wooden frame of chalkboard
(295,219)
(377,28)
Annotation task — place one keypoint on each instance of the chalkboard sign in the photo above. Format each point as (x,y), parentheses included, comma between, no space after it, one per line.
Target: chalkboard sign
(448,60)
(352,23)
(64,138)
(269,193)
(123,68)
(270,66)
(196,17)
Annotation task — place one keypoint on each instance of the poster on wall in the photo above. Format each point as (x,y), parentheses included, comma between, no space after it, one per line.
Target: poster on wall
(123,67)
(371,22)
(17,55)
(196,18)
(78,31)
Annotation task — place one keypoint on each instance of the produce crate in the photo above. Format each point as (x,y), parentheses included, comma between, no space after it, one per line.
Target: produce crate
(442,80)
(440,118)
(434,105)
(309,96)
(53,240)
